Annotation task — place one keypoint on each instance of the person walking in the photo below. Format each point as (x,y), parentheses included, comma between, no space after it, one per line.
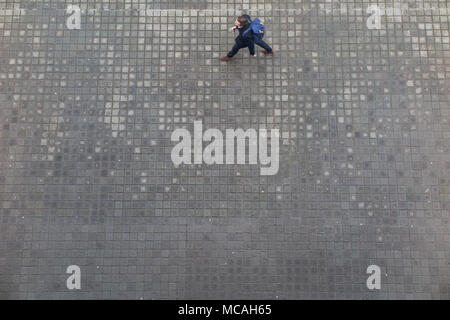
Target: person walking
(246,39)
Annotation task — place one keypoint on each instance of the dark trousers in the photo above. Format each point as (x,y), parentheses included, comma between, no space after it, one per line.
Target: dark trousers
(239,46)
(251,47)
(263,45)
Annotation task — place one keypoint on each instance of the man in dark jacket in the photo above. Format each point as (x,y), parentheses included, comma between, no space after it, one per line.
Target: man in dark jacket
(242,41)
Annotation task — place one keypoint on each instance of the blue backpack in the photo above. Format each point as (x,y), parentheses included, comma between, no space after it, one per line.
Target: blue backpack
(255,27)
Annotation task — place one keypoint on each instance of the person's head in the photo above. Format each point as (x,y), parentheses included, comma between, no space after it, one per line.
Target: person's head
(241,21)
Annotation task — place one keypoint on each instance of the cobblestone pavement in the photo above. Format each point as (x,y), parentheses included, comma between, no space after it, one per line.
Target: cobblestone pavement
(86,177)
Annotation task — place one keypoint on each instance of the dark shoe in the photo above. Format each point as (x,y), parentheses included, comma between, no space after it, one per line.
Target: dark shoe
(225,58)
(267,52)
